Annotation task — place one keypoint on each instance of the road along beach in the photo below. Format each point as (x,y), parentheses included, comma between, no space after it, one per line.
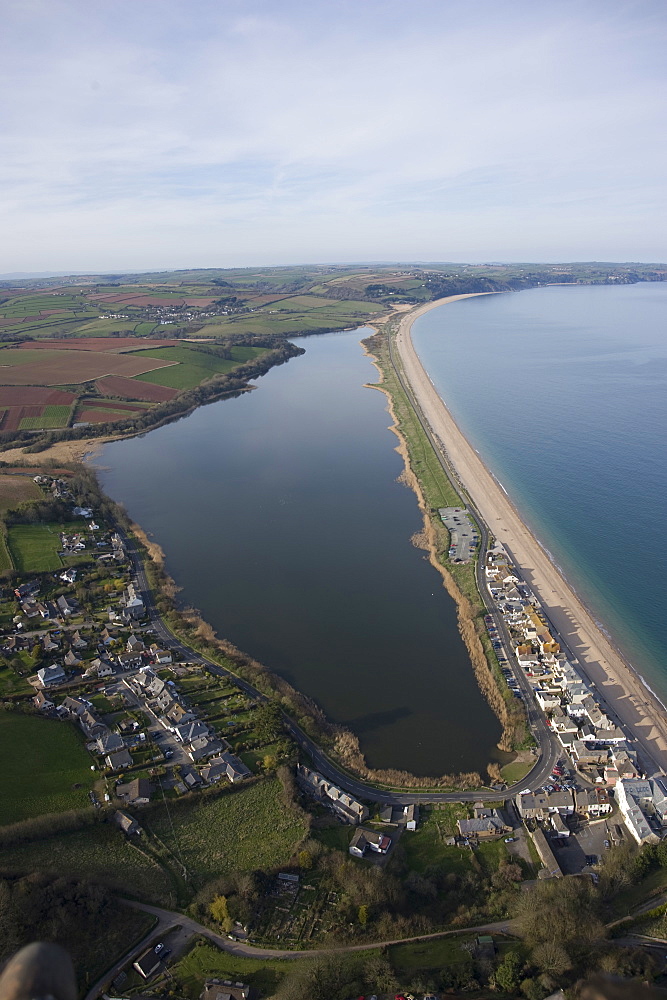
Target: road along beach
(618,685)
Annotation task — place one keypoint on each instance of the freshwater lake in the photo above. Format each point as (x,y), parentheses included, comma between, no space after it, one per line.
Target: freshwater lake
(282,520)
(563,391)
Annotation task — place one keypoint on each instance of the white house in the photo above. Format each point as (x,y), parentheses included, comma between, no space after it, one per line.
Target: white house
(51,675)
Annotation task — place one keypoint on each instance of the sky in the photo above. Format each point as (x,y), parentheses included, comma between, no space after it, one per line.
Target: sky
(145,134)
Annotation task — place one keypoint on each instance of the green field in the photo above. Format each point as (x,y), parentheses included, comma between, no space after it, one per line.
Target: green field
(104,327)
(34,547)
(192,368)
(100,853)
(516,771)
(205,961)
(426,846)
(14,356)
(243,353)
(429,956)
(12,684)
(46,769)
(52,416)
(238,831)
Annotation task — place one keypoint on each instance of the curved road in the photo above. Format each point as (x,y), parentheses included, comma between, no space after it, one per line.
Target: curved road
(168,921)
(355,786)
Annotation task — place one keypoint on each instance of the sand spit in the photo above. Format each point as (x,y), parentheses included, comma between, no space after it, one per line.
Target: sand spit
(619,685)
(426,540)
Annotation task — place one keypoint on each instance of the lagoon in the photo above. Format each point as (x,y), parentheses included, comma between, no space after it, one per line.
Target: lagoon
(282,520)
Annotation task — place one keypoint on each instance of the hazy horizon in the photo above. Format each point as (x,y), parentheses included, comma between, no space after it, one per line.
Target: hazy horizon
(162,135)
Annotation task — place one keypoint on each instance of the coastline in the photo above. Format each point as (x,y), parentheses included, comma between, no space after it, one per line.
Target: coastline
(618,682)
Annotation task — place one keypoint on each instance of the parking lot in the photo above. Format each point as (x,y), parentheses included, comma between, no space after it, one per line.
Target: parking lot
(587,842)
(462,533)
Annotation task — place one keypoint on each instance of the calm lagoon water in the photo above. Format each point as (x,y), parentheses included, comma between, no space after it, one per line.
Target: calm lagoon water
(563,391)
(282,520)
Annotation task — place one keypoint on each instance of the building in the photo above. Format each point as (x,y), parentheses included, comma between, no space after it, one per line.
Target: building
(120,760)
(643,805)
(539,805)
(133,603)
(42,703)
(343,805)
(546,855)
(364,840)
(126,823)
(411,816)
(136,792)
(224,989)
(148,964)
(593,802)
(486,824)
(51,675)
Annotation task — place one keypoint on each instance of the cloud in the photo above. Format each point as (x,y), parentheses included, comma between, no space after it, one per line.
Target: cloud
(152,134)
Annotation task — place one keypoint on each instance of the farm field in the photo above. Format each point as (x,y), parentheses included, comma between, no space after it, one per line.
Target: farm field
(50,768)
(238,831)
(71,366)
(191,367)
(17,489)
(34,547)
(51,416)
(116,385)
(100,853)
(108,345)
(98,411)
(38,406)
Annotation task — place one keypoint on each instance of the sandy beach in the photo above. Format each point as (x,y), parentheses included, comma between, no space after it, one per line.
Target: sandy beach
(617,683)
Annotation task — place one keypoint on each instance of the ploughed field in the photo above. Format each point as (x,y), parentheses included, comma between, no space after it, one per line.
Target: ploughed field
(111,379)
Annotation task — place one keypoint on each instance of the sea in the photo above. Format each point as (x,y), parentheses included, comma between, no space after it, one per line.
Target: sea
(563,392)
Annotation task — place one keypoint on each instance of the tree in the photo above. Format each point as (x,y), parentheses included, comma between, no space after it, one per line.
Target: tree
(551,957)
(267,722)
(363,915)
(379,976)
(305,860)
(533,989)
(220,913)
(574,922)
(508,974)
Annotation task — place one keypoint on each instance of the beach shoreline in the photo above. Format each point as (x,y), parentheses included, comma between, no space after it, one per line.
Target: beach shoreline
(620,685)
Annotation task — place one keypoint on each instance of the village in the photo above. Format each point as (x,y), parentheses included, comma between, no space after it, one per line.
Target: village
(160,726)
(599,753)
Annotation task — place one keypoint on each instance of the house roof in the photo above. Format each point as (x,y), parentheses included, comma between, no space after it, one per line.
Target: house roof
(139,788)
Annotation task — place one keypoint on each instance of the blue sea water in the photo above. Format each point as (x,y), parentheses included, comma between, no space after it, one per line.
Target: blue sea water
(563,391)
